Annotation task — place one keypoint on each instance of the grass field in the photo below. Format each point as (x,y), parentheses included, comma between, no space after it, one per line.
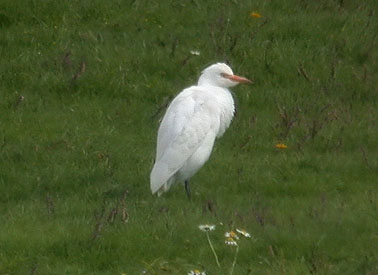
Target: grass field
(83,85)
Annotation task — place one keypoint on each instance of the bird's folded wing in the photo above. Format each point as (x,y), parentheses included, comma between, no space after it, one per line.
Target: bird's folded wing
(195,124)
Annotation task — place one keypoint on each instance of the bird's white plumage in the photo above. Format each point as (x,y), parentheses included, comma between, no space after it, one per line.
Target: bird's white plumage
(188,130)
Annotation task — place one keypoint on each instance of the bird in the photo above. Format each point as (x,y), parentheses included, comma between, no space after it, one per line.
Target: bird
(194,119)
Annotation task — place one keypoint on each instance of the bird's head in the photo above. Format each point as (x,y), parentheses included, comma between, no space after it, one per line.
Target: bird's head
(220,75)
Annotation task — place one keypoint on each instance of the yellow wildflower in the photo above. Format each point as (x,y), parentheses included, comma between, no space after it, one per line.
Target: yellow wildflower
(281,146)
(255,15)
(232,235)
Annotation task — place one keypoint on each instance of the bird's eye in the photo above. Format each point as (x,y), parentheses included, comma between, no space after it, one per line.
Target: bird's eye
(225,75)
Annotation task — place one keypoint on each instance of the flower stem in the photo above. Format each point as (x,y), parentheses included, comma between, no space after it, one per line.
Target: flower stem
(212,248)
(234,262)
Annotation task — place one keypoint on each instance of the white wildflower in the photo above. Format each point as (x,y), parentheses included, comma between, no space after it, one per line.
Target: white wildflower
(195,53)
(243,232)
(196,272)
(231,242)
(206,227)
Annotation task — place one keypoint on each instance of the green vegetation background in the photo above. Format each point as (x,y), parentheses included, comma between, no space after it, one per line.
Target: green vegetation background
(83,85)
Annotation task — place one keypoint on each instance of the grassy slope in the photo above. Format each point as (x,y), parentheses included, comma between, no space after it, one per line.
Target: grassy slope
(71,146)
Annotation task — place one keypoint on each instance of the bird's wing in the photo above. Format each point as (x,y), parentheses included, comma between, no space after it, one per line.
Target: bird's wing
(185,125)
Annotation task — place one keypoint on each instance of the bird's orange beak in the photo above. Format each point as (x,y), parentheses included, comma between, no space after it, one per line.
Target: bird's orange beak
(237,78)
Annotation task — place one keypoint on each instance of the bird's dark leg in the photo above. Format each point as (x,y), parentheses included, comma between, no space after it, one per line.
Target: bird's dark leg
(187,189)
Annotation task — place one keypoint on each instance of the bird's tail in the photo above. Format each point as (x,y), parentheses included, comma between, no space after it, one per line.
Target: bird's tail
(161,178)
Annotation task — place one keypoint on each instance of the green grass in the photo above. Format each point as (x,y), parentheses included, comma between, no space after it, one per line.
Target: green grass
(83,85)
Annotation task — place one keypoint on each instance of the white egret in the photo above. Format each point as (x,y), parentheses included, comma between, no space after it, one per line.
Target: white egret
(194,119)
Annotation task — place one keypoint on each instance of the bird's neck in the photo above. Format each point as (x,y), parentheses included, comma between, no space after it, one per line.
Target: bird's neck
(205,81)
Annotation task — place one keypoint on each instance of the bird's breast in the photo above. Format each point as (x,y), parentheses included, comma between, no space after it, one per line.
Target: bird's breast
(226,111)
